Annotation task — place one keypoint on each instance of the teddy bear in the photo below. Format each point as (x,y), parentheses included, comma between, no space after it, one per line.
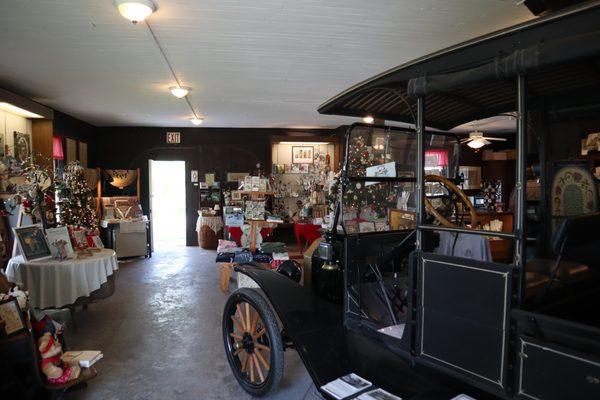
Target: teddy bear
(53,367)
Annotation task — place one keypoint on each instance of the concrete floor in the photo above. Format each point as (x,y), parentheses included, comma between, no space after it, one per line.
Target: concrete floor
(161,335)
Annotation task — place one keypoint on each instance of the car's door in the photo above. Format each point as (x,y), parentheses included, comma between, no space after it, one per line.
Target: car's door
(462,318)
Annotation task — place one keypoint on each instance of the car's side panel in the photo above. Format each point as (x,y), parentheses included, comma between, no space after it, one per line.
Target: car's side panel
(463,318)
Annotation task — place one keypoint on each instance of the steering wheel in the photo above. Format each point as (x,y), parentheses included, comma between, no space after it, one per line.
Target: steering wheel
(459,196)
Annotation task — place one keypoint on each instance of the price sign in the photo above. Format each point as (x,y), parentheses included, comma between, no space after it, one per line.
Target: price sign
(173,137)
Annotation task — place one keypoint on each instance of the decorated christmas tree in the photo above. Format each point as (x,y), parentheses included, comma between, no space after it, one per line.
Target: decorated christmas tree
(76,203)
(374,199)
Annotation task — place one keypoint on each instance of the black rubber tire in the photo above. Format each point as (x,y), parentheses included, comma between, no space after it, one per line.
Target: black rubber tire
(273,333)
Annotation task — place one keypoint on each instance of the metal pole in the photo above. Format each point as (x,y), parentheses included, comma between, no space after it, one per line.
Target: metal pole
(520,242)
(420,184)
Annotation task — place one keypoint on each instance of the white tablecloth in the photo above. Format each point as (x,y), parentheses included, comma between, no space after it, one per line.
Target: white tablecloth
(215,223)
(53,283)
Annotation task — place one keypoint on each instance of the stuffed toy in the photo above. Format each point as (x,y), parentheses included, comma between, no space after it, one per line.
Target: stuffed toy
(55,370)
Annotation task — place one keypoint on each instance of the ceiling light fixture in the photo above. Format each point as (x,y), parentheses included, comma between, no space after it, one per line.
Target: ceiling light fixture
(368,119)
(477,143)
(477,140)
(180,91)
(18,111)
(135,10)
(196,120)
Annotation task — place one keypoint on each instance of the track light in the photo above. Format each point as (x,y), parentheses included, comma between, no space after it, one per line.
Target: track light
(368,119)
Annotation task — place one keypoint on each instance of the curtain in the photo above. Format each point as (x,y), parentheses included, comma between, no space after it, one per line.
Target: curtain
(440,156)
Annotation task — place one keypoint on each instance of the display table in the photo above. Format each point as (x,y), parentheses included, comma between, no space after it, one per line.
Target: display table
(308,232)
(210,230)
(53,283)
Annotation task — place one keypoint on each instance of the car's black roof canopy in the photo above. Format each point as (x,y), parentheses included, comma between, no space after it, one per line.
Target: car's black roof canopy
(452,77)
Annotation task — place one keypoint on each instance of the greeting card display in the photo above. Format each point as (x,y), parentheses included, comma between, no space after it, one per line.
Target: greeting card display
(59,242)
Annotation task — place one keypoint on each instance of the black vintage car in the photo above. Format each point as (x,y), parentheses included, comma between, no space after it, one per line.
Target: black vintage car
(417,306)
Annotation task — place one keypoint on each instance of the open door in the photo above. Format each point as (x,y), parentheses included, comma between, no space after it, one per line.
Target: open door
(150,192)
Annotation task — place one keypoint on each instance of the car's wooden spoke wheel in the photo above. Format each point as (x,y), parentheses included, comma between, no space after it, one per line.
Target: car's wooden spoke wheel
(252,342)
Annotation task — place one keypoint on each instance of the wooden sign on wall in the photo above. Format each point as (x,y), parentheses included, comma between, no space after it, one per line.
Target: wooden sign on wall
(173,137)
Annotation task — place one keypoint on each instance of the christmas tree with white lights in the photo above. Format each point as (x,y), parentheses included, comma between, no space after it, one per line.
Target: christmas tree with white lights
(76,206)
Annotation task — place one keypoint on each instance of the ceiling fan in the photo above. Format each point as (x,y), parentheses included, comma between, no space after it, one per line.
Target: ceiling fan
(477,140)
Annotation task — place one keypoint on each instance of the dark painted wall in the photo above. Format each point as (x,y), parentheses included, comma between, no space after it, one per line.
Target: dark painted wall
(67,126)
(218,150)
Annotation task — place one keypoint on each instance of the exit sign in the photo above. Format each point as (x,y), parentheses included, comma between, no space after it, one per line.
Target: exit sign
(173,137)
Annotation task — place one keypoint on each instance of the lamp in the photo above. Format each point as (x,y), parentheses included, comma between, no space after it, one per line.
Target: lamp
(368,119)
(477,143)
(180,91)
(135,10)
(57,150)
(196,120)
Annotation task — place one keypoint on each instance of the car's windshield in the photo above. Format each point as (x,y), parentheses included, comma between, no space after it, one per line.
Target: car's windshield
(387,152)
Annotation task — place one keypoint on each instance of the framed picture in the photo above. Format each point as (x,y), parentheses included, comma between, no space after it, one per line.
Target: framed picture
(83,154)
(97,242)
(32,242)
(236,176)
(381,226)
(2,144)
(262,185)
(59,242)
(471,176)
(209,179)
(79,238)
(255,183)
(302,154)
(71,154)
(304,169)
(22,146)
(236,195)
(351,226)
(11,315)
(366,226)
(248,183)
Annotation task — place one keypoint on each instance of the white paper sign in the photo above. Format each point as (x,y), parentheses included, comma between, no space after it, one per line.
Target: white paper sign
(387,170)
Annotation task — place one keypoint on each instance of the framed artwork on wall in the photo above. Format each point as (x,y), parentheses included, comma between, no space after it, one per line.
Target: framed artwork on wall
(471,176)
(22,146)
(71,154)
(236,176)
(83,154)
(302,154)
(2,145)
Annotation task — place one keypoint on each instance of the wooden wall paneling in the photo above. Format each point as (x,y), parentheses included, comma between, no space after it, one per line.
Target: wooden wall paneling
(41,140)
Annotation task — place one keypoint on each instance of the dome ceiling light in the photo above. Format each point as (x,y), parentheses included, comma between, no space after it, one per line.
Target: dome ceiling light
(196,120)
(135,10)
(368,119)
(180,91)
